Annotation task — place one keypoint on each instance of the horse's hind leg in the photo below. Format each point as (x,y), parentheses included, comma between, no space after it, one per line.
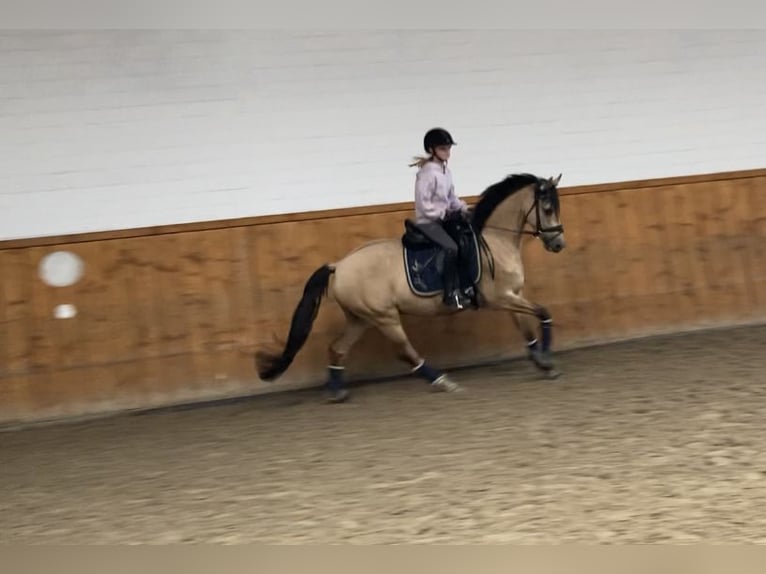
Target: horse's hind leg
(337,352)
(393,331)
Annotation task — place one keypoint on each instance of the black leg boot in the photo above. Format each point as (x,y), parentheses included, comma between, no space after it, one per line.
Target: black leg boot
(452,294)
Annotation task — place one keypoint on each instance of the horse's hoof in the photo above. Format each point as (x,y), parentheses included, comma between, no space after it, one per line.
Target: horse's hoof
(339,396)
(552,374)
(444,385)
(542,361)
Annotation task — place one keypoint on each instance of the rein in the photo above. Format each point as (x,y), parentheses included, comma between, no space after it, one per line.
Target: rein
(523,230)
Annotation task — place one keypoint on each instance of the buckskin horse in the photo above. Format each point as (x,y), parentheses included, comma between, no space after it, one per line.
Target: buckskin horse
(381,280)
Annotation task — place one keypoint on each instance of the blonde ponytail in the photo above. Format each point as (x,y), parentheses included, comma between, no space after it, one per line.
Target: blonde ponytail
(420,160)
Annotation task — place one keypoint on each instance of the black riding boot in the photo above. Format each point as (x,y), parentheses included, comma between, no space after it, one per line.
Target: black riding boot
(453,295)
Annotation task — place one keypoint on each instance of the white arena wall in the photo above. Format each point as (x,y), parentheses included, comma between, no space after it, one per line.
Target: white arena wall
(122,129)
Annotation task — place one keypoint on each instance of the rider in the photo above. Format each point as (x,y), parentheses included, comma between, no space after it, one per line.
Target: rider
(435,200)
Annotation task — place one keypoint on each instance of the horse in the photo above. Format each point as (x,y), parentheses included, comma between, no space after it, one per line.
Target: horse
(374,288)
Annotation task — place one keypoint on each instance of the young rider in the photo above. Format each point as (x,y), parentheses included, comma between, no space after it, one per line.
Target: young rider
(435,200)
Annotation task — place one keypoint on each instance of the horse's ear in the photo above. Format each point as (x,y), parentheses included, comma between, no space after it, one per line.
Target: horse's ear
(555,181)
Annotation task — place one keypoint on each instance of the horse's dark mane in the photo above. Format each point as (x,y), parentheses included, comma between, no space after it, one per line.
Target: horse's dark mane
(495,194)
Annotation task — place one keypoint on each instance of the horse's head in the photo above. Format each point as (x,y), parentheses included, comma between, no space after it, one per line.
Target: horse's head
(520,201)
(544,212)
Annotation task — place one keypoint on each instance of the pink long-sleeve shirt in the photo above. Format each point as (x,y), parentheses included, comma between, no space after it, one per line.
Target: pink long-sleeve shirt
(435,193)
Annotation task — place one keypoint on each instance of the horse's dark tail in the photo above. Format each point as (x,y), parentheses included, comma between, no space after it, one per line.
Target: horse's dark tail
(271,365)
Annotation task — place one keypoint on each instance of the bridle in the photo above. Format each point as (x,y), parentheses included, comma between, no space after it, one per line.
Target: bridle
(540,191)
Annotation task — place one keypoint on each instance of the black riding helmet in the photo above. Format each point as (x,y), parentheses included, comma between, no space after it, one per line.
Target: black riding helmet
(436,137)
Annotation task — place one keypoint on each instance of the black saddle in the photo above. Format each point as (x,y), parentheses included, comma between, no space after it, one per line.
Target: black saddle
(456,227)
(413,237)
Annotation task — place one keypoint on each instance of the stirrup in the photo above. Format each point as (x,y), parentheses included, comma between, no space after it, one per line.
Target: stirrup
(454,300)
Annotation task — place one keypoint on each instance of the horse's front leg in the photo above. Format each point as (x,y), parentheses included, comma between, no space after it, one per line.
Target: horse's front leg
(523,310)
(527,326)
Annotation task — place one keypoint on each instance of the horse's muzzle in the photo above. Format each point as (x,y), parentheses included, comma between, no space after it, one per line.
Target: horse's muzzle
(556,244)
